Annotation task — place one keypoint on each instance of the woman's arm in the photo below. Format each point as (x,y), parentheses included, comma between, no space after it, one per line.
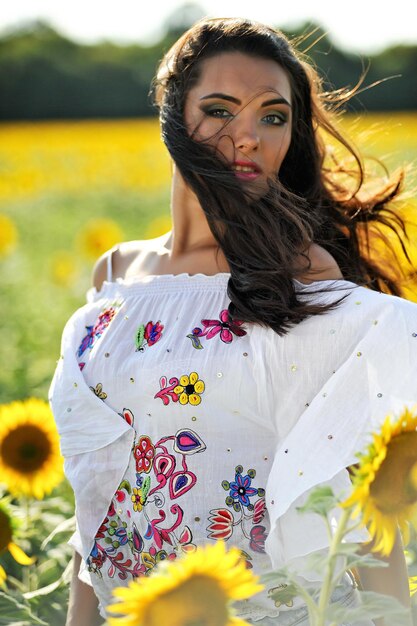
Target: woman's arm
(83,603)
(391,580)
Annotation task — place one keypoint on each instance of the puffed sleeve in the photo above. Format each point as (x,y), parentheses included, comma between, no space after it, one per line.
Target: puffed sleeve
(369,375)
(95,441)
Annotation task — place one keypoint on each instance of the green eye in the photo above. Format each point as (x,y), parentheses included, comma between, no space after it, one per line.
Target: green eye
(275,119)
(216,112)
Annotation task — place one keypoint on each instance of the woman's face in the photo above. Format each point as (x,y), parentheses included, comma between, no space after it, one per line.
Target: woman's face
(242,105)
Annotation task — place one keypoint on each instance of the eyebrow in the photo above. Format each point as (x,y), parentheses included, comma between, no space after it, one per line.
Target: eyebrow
(224,96)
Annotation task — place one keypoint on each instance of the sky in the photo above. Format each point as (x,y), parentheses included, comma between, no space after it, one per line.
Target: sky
(360,26)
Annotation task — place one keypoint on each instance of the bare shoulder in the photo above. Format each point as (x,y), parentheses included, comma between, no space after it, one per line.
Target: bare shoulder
(323,265)
(122,256)
(129,258)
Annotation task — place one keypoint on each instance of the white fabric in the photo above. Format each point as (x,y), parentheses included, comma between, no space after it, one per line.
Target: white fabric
(269,404)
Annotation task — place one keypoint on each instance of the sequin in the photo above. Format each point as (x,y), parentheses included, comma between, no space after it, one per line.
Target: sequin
(245,354)
(132,380)
(272,501)
(379,395)
(75,385)
(329,436)
(375,322)
(219,374)
(126,317)
(324,395)
(229,449)
(69,410)
(107,354)
(265,458)
(196,519)
(120,511)
(332,332)
(293,368)
(148,414)
(300,472)
(358,302)
(168,350)
(286,451)
(359,354)
(414,335)
(194,419)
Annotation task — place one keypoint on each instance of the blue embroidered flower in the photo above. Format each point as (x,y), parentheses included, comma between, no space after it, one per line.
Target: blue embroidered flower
(242,490)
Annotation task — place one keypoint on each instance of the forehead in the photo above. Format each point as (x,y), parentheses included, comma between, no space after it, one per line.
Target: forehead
(241,75)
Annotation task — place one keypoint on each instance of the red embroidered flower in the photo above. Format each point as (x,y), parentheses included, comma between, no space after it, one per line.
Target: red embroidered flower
(259,510)
(225,326)
(257,539)
(144,452)
(221,526)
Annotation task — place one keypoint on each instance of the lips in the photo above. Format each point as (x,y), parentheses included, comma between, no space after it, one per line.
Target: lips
(246,167)
(246,170)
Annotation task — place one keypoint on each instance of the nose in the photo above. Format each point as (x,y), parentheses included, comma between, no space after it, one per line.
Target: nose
(246,137)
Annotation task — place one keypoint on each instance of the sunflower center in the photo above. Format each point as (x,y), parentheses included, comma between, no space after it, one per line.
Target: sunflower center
(199,601)
(5,531)
(26,448)
(393,488)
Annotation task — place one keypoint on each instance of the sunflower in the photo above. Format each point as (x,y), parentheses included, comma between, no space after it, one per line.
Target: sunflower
(197,587)
(385,482)
(7,529)
(8,235)
(30,460)
(98,236)
(62,269)
(189,389)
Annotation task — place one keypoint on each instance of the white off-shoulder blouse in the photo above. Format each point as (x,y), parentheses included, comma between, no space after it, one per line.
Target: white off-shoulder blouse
(180,427)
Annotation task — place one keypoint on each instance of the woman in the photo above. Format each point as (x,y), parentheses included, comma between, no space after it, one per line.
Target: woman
(219,372)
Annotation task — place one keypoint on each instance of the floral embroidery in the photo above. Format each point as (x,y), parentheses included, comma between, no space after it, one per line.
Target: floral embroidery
(127,416)
(225,327)
(144,452)
(241,490)
(160,480)
(223,522)
(189,389)
(94,332)
(98,391)
(148,334)
(275,590)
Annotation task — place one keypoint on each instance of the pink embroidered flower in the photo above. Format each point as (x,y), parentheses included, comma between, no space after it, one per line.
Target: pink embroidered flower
(221,526)
(153,332)
(225,326)
(144,453)
(259,510)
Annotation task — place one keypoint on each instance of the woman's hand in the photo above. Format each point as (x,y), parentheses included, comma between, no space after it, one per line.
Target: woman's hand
(83,603)
(391,580)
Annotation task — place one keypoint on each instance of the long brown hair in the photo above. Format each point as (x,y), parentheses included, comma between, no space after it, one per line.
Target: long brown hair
(307,201)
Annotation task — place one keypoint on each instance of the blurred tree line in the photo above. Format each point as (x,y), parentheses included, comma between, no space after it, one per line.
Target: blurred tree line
(44,75)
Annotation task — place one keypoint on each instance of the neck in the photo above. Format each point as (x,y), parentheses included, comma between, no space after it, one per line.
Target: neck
(190,230)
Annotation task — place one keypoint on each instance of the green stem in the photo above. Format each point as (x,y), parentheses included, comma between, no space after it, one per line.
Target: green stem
(26,578)
(328,583)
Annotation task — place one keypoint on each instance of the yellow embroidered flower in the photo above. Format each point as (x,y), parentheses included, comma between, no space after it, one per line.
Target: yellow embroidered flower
(189,389)
(8,235)
(197,587)
(385,482)
(97,236)
(7,529)
(138,499)
(30,459)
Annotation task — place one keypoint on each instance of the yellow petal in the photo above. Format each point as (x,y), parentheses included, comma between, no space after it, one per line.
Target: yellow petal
(193,378)
(199,386)
(184,380)
(194,399)
(19,556)
(3,575)
(183,398)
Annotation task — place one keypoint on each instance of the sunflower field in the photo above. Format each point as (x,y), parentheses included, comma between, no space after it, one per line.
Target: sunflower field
(68,192)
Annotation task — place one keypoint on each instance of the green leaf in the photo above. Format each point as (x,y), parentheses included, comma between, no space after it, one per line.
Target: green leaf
(365,560)
(372,605)
(12,612)
(321,500)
